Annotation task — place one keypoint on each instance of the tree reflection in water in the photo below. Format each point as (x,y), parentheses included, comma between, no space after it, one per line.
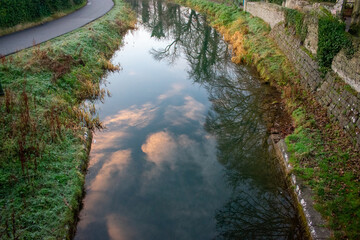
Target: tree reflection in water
(261,206)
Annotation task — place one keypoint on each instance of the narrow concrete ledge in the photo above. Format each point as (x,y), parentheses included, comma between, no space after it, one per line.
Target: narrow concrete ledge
(315,223)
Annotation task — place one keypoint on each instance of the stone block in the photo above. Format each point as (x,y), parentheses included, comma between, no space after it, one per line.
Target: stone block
(348,69)
(270,13)
(311,40)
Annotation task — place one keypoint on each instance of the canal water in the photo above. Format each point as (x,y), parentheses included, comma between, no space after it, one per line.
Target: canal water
(185,152)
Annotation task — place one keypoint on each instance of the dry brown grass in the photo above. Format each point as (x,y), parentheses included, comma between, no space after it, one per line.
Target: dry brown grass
(235,36)
(58,64)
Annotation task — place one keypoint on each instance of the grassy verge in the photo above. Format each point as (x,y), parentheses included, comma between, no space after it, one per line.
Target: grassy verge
(22,26)
(44,121)
(329,162)
(321,152)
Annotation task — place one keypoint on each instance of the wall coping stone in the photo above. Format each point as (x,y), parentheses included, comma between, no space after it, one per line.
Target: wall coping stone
(270,13)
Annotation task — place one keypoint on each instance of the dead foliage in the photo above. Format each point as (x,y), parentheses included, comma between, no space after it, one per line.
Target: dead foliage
(235,39)
(335,140)
(59,64)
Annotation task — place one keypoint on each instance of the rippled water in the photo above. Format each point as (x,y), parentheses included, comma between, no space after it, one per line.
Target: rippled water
(185,153)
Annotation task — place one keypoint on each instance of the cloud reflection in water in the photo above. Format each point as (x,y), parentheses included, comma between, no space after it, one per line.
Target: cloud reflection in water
(191,110)
(134,116)
(146,168)
(176,88)
(98,191)
(118,229)
(159,147)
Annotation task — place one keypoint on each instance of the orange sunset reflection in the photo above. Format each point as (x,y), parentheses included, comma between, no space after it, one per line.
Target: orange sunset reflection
(104,182)
(117,228)
(134,116)
(105,140)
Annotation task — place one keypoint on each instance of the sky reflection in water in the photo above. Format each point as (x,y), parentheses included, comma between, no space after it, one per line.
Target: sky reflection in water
(180,156)
(153,173)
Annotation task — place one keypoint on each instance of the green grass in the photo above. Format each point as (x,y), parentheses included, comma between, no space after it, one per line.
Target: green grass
(326,159)
(44,152)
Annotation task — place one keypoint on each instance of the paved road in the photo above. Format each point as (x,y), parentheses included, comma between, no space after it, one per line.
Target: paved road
(24,39)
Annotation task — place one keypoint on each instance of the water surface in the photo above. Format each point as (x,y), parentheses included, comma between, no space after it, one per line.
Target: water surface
(185,153)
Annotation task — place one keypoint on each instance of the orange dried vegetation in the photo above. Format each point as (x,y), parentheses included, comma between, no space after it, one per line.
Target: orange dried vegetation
(235,36)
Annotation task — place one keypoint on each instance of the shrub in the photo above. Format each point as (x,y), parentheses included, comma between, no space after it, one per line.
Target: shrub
(13,12)
(332,38)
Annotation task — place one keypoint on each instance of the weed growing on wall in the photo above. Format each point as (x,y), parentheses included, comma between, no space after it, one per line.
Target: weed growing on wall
(295,19)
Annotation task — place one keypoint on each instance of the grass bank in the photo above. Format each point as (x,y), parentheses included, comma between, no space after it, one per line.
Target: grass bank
(44,123)
(321,152)
(328,160)
(56,15)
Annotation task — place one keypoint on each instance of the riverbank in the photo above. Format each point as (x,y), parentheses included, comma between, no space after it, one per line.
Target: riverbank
(322,153)
(54,16)
(45,122)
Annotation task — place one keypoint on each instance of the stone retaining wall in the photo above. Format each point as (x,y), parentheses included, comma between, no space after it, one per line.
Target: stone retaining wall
(274,14)
(311,40)
(348,69)
(270,13)
(339,98)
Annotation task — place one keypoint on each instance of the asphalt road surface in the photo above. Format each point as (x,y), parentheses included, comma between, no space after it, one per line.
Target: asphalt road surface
(23,39)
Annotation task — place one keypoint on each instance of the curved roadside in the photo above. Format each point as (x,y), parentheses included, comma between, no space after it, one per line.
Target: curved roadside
(23,39)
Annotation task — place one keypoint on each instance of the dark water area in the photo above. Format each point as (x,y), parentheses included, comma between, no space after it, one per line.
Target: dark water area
(185,152)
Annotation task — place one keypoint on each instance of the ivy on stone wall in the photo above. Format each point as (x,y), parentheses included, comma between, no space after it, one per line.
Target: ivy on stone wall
(332,38)
(13,12)
(295,19)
